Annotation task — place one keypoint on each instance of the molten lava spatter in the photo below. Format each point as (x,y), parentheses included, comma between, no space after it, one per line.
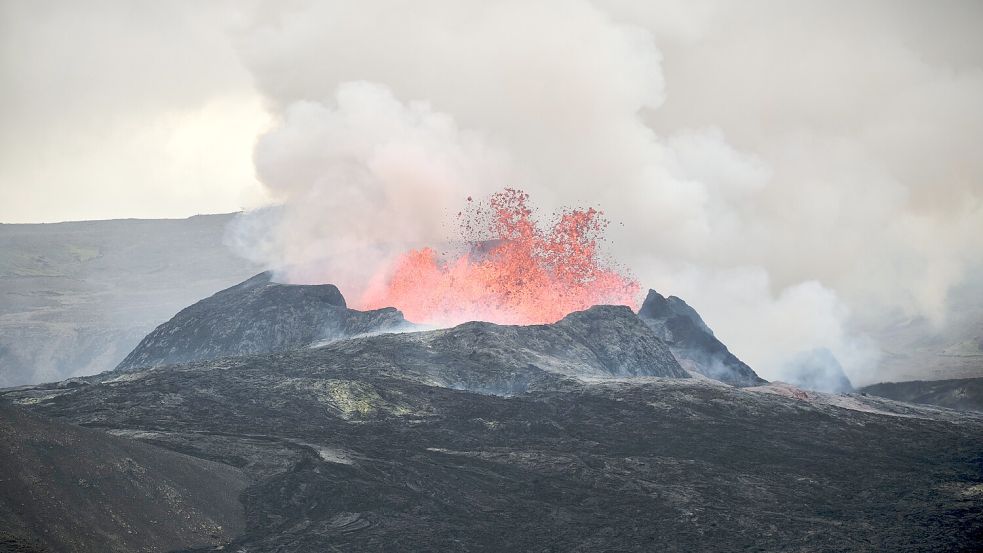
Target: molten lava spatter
(514,272)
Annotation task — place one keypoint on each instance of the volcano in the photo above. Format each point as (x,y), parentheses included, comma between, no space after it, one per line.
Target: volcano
(586,434)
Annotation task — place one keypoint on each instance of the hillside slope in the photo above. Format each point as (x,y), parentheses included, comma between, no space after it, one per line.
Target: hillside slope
(919,349)
(66,488)
(960,393)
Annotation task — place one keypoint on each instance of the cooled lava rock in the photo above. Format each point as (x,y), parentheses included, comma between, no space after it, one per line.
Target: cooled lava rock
(692,341)
(257,316)
(583,435)
(65,488)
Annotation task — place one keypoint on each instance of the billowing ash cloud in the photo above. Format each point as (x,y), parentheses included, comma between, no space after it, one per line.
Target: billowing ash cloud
(361,177)
(797,177)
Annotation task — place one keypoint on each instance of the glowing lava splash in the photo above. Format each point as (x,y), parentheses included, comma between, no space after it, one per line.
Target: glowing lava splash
(513,272)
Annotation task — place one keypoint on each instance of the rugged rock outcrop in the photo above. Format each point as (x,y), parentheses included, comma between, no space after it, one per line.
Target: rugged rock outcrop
(66,488)
(692,341)
(257,316)
(601,342)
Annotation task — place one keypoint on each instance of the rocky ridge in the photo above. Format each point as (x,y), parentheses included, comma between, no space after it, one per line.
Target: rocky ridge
(257,316)
(692,341)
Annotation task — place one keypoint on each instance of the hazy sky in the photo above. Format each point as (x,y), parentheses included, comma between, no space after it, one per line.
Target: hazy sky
(139,109)
(789,167)
(123,109)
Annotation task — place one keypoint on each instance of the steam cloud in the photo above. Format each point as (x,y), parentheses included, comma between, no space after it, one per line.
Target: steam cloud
(796,180)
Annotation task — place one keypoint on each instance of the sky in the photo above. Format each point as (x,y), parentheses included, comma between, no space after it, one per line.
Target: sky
(795,170)
(124,109)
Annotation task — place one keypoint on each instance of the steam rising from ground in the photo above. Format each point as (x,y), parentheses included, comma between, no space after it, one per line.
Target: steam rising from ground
(796,179)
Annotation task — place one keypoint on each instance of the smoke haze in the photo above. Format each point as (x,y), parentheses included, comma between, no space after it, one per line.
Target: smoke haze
(799,173)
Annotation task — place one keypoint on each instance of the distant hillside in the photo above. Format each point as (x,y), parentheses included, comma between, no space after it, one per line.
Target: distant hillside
(75,298)
(961,393)
(917,349)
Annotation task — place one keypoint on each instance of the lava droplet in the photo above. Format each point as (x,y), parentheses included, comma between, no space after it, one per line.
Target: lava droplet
(513,272)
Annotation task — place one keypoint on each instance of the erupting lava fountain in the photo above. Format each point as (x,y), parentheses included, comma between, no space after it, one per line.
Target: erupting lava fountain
(513,271)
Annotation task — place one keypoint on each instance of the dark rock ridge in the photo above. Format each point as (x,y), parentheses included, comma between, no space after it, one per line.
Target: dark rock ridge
(257,316)
(692,341)
(65,488)
(817,370)
(602,342)
(960,393)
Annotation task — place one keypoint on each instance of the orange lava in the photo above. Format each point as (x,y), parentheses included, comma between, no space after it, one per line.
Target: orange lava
(514,271)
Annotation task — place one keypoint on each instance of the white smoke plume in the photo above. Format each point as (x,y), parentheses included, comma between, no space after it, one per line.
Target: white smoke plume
(793,177)
(360,178)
